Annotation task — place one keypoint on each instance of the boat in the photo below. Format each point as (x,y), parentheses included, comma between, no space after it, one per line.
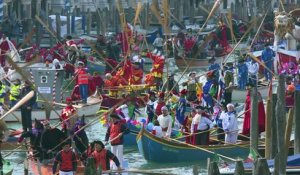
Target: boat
(239,95)
(89,109)
(160,150)
(109,101)
(37,168)
(193,63)
(293,166)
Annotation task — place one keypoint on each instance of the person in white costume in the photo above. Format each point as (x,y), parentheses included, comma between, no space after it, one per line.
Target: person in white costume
(157,130)
(230,125)
(165,121)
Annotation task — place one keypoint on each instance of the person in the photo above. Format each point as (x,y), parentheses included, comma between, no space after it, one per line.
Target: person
(171,85)
(103,156)
(191,84)
(230,125)
(159,104)
(157,129)
(128,110)
(200,126)
(2,93)
(66,159)
(253,68)
(50,138)
(267,57)
(158,43)
(80,138)
(181,107)
(115,133)
(150,107)
(68,112)
(165,121)
(26,108)
(14,95)
(99,83)
(229,83)
(242,74)
(56,64)
(289,96)
(186,129)
(87,153)
(12,74)
(157,68)
(136,74)
(82,81)
(261,112)
(214,67)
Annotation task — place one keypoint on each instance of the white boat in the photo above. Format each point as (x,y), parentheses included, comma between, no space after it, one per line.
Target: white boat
(239,95)
(89,109)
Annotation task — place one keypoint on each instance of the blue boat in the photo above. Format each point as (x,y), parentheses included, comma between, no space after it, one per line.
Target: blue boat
(130,138)
(95,66)
(159,150)
(292,166)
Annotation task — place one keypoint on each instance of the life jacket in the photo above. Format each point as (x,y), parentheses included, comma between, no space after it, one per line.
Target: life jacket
(115,130)
(100,158)
(67,160)
(2,91)
(14,92)
(83,77)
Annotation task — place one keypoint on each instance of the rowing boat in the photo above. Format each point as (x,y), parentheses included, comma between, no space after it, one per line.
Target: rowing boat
(160,150)
(89,109)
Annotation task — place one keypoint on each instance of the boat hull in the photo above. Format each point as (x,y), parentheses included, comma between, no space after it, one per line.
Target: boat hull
(162,151)
(239,95)
(88,110)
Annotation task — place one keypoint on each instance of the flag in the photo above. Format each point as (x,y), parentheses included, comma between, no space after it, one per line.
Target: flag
(253,155)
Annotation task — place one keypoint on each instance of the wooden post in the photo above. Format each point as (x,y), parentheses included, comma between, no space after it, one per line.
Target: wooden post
(58,24)
(195,170)
(239,168)
(90,167)
(274,149)
(261,167)
(281,124)
(98,21)
(68,23)
(73,22)
(254,120)
(89,21)
(289,127)
(26,166)
(213,168)
(297,123)
(268,139)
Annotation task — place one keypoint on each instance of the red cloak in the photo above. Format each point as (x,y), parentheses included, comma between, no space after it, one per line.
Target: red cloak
(261,115)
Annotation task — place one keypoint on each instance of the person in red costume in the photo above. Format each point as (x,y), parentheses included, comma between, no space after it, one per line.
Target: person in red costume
(110,65)
(261,113)
(82,81)
(223,38)
(4,47)
(157,68)
(159,104)
(98,81)
(75,95)
(66,114)
(137,74)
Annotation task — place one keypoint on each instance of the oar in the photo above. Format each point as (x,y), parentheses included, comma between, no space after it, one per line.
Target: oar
(203,149)
(19,104)
(137,171)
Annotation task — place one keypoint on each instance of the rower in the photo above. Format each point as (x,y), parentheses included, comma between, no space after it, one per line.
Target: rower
(15,88)
(66,159)
(82,81)
(103,156)
(230,124)
(68,112)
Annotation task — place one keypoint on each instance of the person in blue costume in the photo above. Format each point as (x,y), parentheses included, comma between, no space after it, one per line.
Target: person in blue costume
(181,107)
(208,100)
(267,57)
(242,74)
(150,107)
(215,67)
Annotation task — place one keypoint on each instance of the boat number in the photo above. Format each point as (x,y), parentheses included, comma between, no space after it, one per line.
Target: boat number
(44,79)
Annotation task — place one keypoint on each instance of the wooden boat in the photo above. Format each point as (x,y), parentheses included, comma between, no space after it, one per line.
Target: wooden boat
(109,101)
(239,95)
(183,63)
(130,138)
(37,168)
(89,109)
(156,149)
(293,166)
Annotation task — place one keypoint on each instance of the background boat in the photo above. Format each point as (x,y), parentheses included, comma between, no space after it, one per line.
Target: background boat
(160,150)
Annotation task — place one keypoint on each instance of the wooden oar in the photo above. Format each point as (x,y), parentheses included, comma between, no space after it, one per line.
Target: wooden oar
(203,149)
(19,104)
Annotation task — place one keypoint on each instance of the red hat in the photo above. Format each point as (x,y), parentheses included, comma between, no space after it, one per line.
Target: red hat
(161,95)
(210,73)
(68,99)
(183,92)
